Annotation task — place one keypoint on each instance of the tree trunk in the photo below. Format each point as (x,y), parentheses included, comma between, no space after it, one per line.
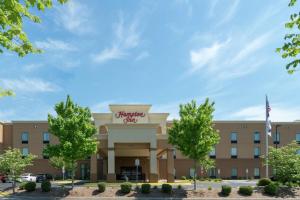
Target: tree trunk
(13,185)
(195,165)
(73,174)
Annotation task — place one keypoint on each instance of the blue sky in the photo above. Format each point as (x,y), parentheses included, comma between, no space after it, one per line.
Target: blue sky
(157,52)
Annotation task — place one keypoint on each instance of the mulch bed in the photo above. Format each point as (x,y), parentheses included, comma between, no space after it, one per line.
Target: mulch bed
(177,193)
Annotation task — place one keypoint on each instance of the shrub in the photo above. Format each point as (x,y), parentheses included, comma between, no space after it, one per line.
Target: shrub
(246,190)
(226,190)
(146,188)
(22,186)
(155,187)
(30,186)
(179,187)
(166,188)
(101,187)
(46,186)
(264,182)
(126,187)
(271,189)
(183,178)
(209,188)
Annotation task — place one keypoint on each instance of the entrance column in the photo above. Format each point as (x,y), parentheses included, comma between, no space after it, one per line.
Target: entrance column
(111,175)
(153,166)
(93,166)
(170,165)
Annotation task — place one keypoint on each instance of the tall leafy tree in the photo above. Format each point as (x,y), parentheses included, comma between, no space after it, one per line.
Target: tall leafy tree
(75,132)
(13,163)
(291,47)
(194,134)
(12,14)
(285,162)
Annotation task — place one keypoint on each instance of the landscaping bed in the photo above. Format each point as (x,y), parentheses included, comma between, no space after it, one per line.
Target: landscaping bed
(176,193)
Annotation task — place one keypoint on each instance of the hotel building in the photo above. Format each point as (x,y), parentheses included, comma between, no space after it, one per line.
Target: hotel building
(131,132)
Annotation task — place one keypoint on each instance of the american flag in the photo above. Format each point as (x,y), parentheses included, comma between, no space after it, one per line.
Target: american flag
(268,121)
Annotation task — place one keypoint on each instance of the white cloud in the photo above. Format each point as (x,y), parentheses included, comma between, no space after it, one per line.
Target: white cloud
(278,113)
(29,85)
(74,17)
(251,47)
(206,55)
(231,11)
(55,45)
(126,38)
(109,54)
(142,55)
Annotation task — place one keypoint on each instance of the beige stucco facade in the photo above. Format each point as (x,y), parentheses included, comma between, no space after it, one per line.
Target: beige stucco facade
(130,132)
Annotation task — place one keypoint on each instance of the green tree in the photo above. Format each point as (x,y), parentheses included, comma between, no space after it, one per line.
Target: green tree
(12,15)
(4,93)
(291,47)
(285,162)
(13,163)
(194,134)
(75,132)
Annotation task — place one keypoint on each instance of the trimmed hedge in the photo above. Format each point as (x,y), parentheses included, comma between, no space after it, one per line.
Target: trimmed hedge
(101,187)
(264,182)
(166,188)
(145,188)
(226,190)
(271,189)
(46,186)
(126,187)
(246,190)
(30,186)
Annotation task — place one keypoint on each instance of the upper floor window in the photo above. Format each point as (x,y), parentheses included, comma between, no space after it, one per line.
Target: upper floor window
(276,138)
(25,151)
(298,138)
(256,137)
(256,152)
(212,154)
(233,137)
(233,152)
(46,138)
(24,138)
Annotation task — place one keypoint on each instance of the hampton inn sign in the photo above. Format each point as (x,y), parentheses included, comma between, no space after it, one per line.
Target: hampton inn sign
(129,117)
(130,132)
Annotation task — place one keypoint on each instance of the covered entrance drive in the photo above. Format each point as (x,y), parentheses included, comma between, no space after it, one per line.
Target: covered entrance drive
(128,133)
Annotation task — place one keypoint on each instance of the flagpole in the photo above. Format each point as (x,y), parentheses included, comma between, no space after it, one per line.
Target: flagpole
(267,141)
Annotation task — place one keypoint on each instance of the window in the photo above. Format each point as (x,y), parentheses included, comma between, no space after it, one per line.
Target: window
(233,137)
(276,138)
(233,152)
(212,154)
(256,152)
(24,138)
(192,170)
(256,137)
(212,173)
(46,138)
(256,173)
(174,153)
(234,173)
(25,151)
(298,138)
(298,151)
